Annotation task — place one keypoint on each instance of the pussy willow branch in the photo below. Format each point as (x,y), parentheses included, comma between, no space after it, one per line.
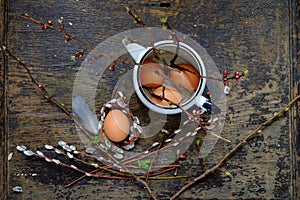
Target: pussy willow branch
(66,111)
(71,37)
(152,160)
(61,106)
(150,176)
(88,47)
(252,135)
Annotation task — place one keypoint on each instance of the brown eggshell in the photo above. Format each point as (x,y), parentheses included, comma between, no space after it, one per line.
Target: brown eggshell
(171,94)
(149,78)
(116,126)
(186,79)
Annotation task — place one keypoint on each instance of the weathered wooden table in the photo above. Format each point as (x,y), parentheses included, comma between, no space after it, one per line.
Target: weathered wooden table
(261,36)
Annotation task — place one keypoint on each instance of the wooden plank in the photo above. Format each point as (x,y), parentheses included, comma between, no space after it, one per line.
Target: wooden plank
(295,90)
(237,35)
(3,104)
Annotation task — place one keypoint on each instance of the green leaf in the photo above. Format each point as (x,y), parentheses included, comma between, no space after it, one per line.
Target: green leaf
(198,141)
(96,139)
(72,58)
(164,19)
(246,71)
(127,8)
(60,20)
(162,51)
(164,26)
(228,174)
(144,164)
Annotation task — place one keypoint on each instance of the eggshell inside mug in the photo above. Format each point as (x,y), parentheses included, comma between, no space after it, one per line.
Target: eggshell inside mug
(116,126)
(150,78)
(187,79)
(170,93)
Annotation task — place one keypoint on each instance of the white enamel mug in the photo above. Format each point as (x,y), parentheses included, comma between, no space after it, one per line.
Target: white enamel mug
(186,54)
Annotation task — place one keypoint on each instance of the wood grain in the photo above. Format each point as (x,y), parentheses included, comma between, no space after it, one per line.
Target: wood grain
(3,105)
(295,90)
(254,35)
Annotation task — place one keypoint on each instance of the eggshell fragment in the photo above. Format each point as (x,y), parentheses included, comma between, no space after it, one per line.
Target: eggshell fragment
(116,126)
(186,79)
(170,93)
(150,78)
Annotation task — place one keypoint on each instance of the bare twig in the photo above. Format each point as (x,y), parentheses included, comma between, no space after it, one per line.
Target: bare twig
(123,165)
(71,37)
(40,86)
(252,135)
(64,109)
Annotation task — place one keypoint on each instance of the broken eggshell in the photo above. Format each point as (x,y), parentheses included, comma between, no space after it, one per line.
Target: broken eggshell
(188,77)
(151,74)
(169,93)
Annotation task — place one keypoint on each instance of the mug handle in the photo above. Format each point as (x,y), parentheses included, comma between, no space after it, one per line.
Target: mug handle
(204,104)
